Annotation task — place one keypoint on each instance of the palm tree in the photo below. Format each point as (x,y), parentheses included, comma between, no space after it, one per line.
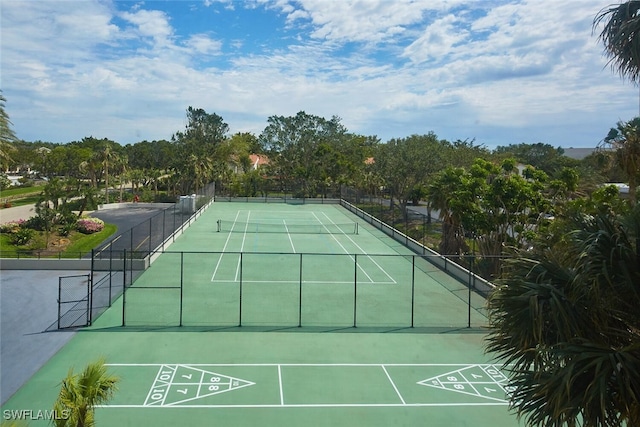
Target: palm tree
(446,195)
(5,155)
(108,157)
(89,195)
(625,140)
(565,322)
(154,176)
(202,167)
(81,393)
(136,177)
(621,37)
(7,136)
(91,167)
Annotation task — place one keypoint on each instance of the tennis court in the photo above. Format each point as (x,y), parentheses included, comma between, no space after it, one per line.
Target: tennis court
(304,265)
(249,319)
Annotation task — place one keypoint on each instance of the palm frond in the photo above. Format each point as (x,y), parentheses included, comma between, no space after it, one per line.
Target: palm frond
(621,37)
(81,393)
(567,327)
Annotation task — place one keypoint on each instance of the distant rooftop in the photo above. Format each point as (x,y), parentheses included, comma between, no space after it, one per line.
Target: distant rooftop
(578,153)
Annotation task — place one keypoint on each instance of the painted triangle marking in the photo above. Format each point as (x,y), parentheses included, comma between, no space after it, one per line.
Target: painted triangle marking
(485,381)
(192,383)
(160,386)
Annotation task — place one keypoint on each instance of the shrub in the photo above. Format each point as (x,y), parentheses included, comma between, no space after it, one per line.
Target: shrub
(12,227)
(4,182)
(36,223)
(67,218)
(164,198)
(22,236)
(66,228)
(90,225)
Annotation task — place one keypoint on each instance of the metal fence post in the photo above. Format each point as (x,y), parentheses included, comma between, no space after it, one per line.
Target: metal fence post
(90,296)
(181,284)
(59,299)
(164,227)
(413,287)
(88,321)
(174,223)
(124,284)
(355,288)
(471,262)
(240,300)
(110,271)
(300,296)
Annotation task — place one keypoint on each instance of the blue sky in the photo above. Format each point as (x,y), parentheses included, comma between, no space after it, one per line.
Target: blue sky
(499,72)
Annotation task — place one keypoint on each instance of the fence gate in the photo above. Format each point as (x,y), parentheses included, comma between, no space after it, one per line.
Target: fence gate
(73,301)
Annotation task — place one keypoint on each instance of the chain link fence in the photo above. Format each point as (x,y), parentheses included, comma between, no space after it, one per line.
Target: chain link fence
(303,289)
(121,260)
(298,295)
(73,301)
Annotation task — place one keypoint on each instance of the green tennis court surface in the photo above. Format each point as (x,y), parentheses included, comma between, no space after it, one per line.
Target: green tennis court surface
(211,371)
(311,265)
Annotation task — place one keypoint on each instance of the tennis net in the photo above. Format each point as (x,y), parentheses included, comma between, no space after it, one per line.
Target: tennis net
(283,226)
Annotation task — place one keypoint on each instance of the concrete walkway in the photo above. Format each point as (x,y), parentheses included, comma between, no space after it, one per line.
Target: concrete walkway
(16,213)
(27,307)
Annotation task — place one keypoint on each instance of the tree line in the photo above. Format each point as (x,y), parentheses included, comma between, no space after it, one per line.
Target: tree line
(502,198)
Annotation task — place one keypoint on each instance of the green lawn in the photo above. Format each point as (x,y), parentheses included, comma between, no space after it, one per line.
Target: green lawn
(20,196)
(79,244)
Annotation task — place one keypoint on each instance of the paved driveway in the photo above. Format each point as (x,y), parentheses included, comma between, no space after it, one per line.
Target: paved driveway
(16,213)
(28,306)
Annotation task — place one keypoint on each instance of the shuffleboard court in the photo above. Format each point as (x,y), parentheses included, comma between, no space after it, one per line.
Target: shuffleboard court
(257,328)
(195,378)
(310,385)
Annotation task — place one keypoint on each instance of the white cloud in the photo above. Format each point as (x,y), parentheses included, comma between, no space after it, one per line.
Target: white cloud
(360,20)
(150,23)
(203,44)
(516,72)
(54,31)
(437,41)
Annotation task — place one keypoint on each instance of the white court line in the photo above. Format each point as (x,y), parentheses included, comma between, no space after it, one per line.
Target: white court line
(157,380)
(287,282)
(185,400)
(280,383)
(493,402)
(289,235)
(393,384)
(470,384)
(304,364)
(215,270)
(363,251)
(318,405)
(244,237)
(343,248)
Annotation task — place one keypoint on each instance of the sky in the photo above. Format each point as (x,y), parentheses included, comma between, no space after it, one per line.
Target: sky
(498,72)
